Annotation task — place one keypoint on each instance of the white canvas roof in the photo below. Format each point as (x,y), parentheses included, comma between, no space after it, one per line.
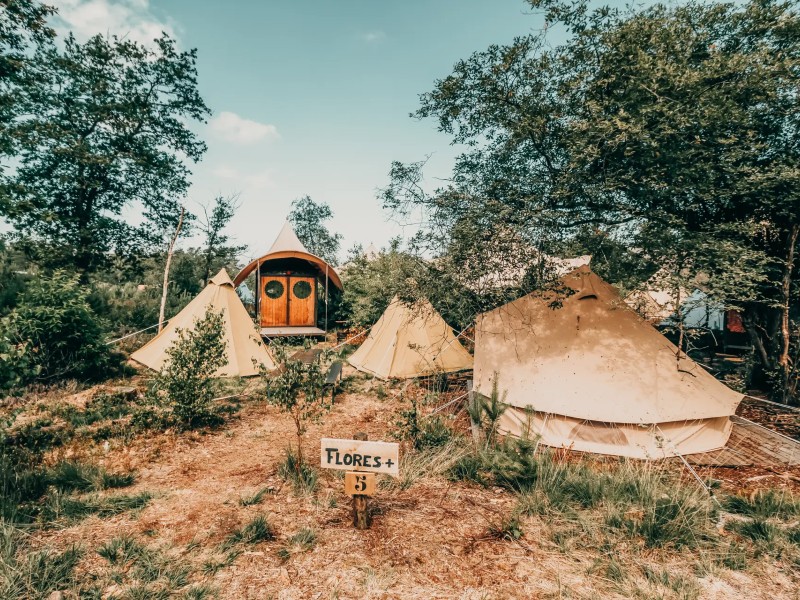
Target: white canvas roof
(287,241)
(243,343)
(410,341)
(594,363)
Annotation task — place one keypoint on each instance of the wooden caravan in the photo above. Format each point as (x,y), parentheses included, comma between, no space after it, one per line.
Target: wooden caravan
(292,288)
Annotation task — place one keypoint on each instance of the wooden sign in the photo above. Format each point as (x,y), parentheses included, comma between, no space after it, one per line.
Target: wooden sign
(362,484)
(360,455)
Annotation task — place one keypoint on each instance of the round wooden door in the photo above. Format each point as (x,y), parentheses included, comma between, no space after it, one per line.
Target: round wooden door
(302,301)
(274,301)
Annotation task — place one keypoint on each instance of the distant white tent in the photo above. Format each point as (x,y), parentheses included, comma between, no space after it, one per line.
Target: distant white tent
(591,375)
(371,252)
(410,341)
(243,344)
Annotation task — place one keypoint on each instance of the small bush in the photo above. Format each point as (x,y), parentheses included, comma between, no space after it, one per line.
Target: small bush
(18,366)
(424,432)
(60,332)
(187,379)
(297,389)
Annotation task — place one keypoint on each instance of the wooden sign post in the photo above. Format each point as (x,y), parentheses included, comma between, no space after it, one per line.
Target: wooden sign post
(361,518)
(361,459)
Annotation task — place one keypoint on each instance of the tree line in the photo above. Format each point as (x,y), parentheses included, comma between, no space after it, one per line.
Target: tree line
(666,133)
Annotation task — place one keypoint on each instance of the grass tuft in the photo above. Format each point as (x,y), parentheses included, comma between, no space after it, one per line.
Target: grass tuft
(120,550)
(59,507)
(757,530)
(302,541)
(257,530)
(255,498)
(27,574)
(304,478)
(764,504)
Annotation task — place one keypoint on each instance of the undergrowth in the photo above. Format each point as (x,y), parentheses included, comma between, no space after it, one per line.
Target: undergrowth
(303,477)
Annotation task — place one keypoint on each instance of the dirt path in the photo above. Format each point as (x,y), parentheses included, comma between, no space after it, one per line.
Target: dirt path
(426,541)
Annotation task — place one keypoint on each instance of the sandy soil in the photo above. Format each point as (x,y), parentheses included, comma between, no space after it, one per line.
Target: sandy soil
(428,541)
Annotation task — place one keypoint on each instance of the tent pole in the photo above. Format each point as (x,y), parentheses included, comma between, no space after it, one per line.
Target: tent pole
(258,294)
(326,297)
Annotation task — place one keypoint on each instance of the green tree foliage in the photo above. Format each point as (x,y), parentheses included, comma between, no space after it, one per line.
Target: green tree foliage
(308,219)
(105,129)
(297,389)
(371,282)
(186,382)
(22,26)
(671,128)
(62,337)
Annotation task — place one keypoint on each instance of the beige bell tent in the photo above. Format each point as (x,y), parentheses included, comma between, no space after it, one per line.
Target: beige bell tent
(242,341)
(593,376)
(410,341)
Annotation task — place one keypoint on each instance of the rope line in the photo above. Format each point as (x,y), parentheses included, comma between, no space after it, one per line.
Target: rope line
(124,337)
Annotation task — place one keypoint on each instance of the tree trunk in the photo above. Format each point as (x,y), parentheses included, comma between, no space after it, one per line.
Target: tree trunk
(298,465)
(784,361)
(166,271)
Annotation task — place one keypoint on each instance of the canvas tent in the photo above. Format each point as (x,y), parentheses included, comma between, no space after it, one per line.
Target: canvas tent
(243,343)
(593,376)
(410,341)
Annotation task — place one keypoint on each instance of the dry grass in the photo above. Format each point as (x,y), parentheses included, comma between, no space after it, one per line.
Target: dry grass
(457,524)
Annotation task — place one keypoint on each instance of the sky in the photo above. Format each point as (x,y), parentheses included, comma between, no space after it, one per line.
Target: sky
(312,97)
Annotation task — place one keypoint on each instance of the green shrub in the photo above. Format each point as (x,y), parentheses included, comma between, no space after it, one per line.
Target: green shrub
(508,528)
(423,432)
(18,366)
(297,389)
(186,382)
(61,333)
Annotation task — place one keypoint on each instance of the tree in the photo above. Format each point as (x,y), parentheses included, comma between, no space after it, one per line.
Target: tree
(217,252)
(187,378)
(104,131)
(23,24)
(297,388)
(674,129)
(308,219)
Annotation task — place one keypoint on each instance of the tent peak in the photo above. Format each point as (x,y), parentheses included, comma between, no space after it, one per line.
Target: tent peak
(221,278)
(287,241)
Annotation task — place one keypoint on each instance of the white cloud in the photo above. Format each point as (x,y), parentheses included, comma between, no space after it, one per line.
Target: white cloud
(131,19)
(233,128)
(372,37)
(246,181)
